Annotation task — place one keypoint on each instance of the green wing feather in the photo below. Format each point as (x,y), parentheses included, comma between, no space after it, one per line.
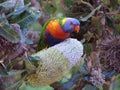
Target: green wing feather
(41,44)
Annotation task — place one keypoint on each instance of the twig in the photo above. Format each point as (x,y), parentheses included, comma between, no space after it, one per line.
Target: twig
(113,13)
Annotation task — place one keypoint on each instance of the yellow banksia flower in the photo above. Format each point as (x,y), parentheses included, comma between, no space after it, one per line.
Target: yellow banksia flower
(55,62)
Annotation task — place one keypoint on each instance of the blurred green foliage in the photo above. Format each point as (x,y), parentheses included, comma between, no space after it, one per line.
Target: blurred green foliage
(36,88)
(87,16)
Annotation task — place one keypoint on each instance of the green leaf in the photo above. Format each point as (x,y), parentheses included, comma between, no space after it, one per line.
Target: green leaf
(24,38)
(90,87)
(69,85)
(9,34)
(36,88)
(18,79)
(18,11)
(15,72)
(24,16)
(7,5)
(33,61)
(91,14)
(35,58)
(17,76)
(109,74)
(30,18)
(19,6)
(14,86)
(3,70)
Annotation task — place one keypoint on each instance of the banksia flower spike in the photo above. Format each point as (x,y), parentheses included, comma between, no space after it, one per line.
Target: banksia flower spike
(55,62)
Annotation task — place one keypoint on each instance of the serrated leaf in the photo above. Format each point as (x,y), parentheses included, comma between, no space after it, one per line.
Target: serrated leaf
(109,74)
(30,18)
(24,37)
(18,11)
(16,76)
(70,84)
(33,60)
(19,5)
(3,70)
(7,5)
(14,86)
(67,85)
(9,34)
(15,72)
(25,16)
(91,14)
(28,87)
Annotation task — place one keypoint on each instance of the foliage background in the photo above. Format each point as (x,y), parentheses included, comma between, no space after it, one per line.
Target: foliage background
(100,27)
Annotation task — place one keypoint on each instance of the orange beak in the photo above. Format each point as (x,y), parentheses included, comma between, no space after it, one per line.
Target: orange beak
(77,28)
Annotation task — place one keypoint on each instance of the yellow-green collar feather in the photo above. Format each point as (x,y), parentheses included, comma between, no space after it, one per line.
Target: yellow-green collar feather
(62,21)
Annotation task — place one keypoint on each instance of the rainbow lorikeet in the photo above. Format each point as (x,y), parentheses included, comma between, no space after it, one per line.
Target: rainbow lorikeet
(57,30)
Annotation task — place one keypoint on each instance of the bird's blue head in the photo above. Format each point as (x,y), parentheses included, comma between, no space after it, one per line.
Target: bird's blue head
(70,24)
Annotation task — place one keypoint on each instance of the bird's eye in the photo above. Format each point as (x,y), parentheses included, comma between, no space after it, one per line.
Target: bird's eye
(71,23)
